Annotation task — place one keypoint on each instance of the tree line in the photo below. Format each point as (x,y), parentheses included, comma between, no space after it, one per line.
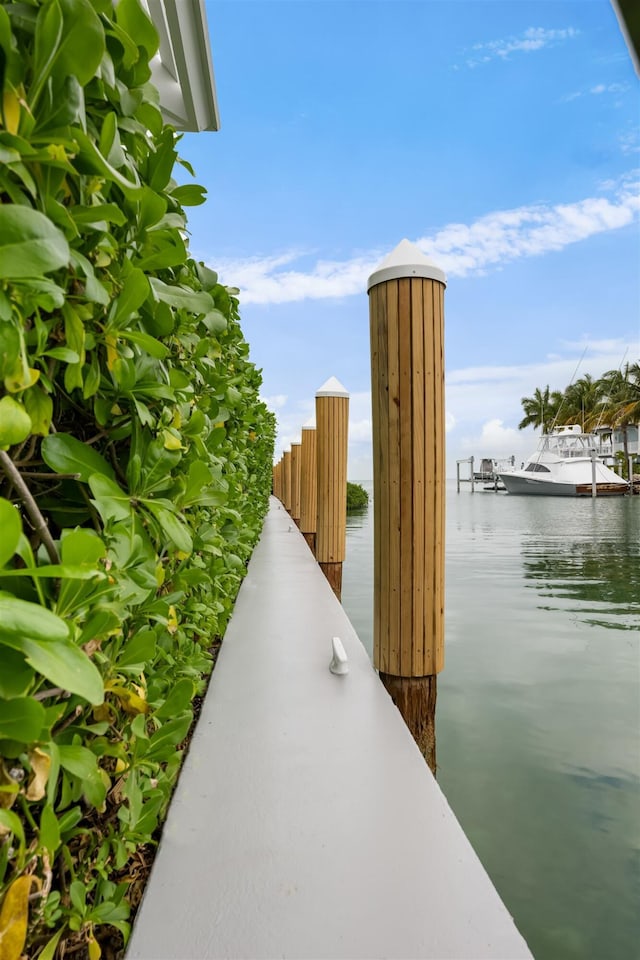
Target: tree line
(612,400)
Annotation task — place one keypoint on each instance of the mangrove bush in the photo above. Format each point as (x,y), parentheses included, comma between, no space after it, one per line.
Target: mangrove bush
(135,460)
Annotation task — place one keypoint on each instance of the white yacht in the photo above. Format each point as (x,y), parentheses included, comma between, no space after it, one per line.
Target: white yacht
(562,466)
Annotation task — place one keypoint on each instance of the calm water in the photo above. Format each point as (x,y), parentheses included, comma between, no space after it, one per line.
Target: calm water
(538,718)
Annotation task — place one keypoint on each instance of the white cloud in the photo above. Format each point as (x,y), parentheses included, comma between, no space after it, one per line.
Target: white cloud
(609,88)
(533,38)
(460,249)
(276,402)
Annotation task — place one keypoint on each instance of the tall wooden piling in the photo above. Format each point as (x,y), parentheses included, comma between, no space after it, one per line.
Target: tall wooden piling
(295,482)
(286,479)
(308,485)
(406,307)
(332,420)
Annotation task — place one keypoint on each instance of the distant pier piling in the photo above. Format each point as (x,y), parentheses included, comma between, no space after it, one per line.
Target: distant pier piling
(309,485)
(406,307)
(286,477)
(295,482)
(332,419)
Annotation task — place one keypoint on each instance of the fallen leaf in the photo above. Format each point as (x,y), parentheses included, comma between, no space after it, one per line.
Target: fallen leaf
(40,765)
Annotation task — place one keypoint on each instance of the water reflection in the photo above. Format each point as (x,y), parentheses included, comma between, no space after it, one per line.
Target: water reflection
(591,560)
(539,707)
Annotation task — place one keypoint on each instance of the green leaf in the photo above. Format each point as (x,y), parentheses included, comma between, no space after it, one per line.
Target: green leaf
(66,666)
(64,454)
(111,501)
(78,760)
(9,348)
(175,529)
(62,353)
(39,407)
(98,212)
(82,547)
(21,719)
(11,528)
(59,571)
(178,700)
(16,676)
(181,297)
(20,618)
(214,321)
(190,195)
(165,740)
(30,244)
(131,17)
(49,951)
(152,346)
(69,41)
(12,822)
(135,291)
(139,649)
(90,160)
(49,831)
(15,423)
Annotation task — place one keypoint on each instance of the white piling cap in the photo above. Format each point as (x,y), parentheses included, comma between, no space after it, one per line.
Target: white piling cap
(406,261)
(332,388)
(310,424)
(295,443)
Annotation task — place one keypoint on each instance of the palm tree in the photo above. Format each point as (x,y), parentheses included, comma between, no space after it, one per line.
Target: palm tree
(541,409)
(620,405)
(582,400)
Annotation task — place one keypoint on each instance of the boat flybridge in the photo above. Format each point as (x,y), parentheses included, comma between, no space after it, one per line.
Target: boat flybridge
(565,464)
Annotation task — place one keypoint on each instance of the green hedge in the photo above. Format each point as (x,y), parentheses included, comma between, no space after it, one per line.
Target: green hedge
(357,497)
(136,467)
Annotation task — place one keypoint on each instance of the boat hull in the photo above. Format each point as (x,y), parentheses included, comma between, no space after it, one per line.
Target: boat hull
(531,486)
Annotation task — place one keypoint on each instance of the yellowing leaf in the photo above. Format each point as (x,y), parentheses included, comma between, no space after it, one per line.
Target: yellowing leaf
(11,110)
(102,713)
(130,702)
(21,378)
(172,620)
(14,916)
(177,419)
(40,764)
(159,574)
(94,948)
(171,441)
(56,151)
(8,792)
(112,350)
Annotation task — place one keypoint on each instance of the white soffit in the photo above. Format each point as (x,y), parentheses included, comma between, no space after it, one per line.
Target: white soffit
(182,70)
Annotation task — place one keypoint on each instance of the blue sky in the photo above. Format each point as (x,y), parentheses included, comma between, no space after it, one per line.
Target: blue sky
(501,137)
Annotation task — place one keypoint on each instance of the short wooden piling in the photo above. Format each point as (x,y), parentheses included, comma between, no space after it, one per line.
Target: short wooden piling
(308,485)
(332,419)
(286,480)
(295,482)
(406,305)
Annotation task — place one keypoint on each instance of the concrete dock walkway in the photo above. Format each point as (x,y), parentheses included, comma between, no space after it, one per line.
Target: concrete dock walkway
(306,824)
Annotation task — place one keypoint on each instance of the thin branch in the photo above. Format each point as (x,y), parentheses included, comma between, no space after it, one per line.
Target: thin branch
(39,523)
(51,692)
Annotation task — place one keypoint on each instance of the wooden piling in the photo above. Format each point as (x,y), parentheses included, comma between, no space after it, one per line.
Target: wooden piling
(406,301)
(295,482)
(286,477)
(308,485)
(332,418)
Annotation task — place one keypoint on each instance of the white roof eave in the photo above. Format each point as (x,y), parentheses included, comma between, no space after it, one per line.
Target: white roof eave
(182,70)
